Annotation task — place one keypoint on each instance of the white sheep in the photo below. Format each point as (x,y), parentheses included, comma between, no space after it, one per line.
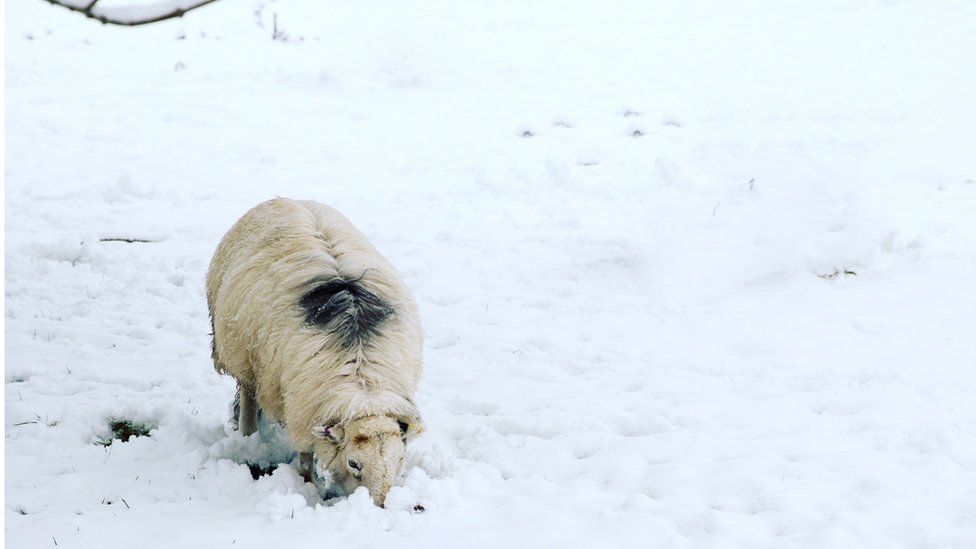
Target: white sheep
(321,334)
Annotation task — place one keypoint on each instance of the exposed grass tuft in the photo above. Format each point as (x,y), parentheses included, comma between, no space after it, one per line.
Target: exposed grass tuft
(125,429)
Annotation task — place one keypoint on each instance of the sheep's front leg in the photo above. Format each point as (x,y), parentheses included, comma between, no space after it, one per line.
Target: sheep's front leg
(247,421)
(306,465)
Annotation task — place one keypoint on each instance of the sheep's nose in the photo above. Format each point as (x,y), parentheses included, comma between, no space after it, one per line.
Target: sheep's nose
(380,499)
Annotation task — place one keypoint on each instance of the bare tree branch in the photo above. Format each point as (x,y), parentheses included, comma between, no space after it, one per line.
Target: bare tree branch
(131,17)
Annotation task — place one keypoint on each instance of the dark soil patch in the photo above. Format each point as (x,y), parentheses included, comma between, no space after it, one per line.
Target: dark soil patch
(259,470)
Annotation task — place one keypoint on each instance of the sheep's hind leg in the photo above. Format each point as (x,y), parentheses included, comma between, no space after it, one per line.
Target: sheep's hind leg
(305,465)
(235,412)
(247,407)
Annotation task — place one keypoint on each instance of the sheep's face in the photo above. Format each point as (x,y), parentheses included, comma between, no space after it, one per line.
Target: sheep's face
(366,452)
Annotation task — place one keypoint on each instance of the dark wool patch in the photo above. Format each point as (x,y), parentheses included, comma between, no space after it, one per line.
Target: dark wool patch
(346,309)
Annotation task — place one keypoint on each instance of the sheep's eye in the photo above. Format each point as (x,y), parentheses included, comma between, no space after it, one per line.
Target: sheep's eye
(353,464)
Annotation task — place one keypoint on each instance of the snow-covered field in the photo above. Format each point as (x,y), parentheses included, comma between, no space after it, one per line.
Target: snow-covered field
(692,274)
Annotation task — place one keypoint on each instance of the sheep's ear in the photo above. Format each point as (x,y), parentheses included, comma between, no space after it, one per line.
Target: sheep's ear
(331,433)
(410,427)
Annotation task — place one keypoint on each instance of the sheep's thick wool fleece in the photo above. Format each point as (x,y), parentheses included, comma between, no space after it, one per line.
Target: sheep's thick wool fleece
(304,374)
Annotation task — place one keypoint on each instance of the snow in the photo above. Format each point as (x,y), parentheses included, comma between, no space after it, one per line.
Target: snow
(692,274)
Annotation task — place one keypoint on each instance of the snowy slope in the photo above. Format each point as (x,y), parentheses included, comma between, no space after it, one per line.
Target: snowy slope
(627,225)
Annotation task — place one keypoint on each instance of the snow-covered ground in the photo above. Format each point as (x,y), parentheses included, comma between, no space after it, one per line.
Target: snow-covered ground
(693,274)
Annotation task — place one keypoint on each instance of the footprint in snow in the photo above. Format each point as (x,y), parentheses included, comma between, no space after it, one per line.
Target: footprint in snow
(562,122)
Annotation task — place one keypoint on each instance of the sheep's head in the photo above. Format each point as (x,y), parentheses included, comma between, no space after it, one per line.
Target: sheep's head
(368,452)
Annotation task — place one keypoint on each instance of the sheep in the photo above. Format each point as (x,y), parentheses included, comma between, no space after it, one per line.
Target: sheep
(323,336)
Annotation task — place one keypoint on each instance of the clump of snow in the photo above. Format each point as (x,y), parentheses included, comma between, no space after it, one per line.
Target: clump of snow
(77,250)
(692,274)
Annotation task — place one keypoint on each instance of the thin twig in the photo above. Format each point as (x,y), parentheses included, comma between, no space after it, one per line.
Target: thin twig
(129,240)
(88,11)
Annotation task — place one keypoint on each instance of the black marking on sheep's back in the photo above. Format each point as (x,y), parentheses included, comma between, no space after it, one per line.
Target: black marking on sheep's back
(345,308)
